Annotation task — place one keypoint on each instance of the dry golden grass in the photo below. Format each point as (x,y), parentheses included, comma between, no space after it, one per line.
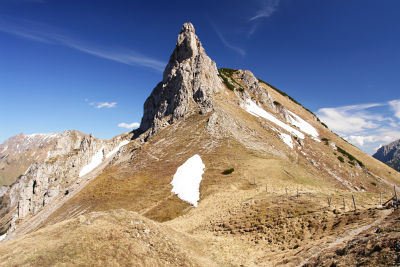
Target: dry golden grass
(116,238)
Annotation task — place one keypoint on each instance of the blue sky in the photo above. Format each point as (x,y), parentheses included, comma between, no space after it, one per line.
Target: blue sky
(89,65)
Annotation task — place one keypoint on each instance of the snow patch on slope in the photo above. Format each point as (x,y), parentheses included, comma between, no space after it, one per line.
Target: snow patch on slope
(186,181)
(116,149)
(2,237)
(96,161)
(257,111)
(287,139)
(302,124)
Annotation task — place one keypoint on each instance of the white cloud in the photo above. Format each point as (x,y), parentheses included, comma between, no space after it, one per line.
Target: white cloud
(362,140)
(364,125)
(43,33)
(106,105)
(395,105)
(348,119)
(228,45)
(100,105)
(129,125)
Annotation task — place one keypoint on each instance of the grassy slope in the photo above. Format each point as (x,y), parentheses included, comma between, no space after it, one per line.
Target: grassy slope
(116,238)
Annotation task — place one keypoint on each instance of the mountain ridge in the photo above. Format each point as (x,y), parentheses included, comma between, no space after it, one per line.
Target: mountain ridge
(267,210)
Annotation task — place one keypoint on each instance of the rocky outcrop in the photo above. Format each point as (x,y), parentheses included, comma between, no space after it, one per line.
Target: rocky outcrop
(248,79)
(53,178)
(189,80)
(17,153)
(390,154)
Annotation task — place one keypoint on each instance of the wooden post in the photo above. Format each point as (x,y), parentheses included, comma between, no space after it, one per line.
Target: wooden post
(297,191)
(354,202)
(254,180)
(286,191)
(344,205)
(395,193)
(380,198)
(329,201)
(266,188)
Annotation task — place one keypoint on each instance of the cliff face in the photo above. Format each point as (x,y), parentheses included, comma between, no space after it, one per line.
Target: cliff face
(54,177)
(390,154)
(189,80)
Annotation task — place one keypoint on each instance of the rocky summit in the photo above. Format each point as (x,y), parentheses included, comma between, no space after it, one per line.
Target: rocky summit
(189,79)
(225,170)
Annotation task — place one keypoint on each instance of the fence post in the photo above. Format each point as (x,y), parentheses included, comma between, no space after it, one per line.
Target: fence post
(266,188)
(395,193)
(297,191)
(380,198)
(329,201)
(286,191)
(344,205)
(354,202)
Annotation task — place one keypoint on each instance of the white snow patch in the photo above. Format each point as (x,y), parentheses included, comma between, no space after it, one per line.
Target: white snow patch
(255,110)
(287,139)
(303,125)
(2,237)
(96,161)
(186,181)
(115,150)
(4,149)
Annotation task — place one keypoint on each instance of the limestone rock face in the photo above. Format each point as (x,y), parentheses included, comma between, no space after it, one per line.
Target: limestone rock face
(282,111)
(189,80)
(52,178)
(390,154)
(248,79)
(17,153)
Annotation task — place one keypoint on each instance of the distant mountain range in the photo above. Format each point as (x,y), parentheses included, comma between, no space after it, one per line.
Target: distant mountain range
(390,154)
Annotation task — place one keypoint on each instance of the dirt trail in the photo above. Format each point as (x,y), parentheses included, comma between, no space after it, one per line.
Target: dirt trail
(350,235)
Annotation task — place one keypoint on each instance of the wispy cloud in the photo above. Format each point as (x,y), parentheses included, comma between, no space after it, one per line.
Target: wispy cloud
(265,9)
(268,7)
(100,105)
(106,105)
(39,32)
(132,125)
(226,43)
(365,125)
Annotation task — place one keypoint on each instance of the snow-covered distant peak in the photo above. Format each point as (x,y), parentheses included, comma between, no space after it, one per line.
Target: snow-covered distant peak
(186,181)
(22,142)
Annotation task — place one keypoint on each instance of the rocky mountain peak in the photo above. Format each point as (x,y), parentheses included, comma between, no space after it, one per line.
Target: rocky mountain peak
(189,80)
(390,154)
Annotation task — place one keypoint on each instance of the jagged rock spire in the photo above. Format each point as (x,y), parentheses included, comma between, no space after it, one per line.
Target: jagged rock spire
(189,80)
